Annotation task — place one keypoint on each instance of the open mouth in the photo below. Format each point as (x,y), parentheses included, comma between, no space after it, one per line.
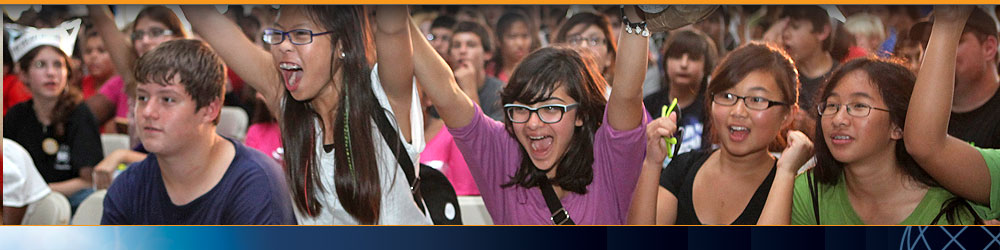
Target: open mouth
(738,133)
(292,74)
(540,145)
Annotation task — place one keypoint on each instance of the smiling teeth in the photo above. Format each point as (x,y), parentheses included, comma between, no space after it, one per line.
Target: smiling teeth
(536,137)
(842,137)
(736,128)
(289,66)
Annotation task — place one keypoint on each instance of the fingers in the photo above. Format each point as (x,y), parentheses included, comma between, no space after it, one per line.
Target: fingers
(662,127)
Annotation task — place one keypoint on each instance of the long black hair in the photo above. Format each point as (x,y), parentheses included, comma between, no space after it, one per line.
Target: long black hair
(894,83)
(534,80)
(357,180)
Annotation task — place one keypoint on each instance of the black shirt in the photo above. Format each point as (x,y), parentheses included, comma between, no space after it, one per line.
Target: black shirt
(678,178)
(80,145)
(810,88)
(980,126)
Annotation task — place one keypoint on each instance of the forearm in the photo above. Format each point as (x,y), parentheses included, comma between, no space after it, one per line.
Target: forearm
(438,81)
(778,207)
(70,187)
(643,208)
(625,103)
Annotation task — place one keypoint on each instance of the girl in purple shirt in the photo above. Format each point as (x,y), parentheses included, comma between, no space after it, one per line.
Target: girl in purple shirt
(559,131)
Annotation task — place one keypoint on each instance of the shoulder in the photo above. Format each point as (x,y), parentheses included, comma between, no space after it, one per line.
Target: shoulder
(683,164)
(251,163)
(20,110)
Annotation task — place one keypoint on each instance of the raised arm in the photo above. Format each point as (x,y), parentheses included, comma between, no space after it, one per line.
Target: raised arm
(122,53)
(251,62)
(393,52)
(645,200)
(954,163)
(438,80)
(778,207)
(625,105)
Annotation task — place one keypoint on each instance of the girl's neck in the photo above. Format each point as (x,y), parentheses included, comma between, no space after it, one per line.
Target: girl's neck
(746,164)
(326,105)
(878,177)
(43,109)
(685,94)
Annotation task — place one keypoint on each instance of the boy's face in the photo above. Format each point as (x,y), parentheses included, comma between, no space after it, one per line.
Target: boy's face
(466,46)
(166,117)
(801,40)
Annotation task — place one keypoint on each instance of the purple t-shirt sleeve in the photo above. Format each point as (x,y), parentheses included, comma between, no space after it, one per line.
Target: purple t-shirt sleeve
(492,155)
(114,90)
(618,157)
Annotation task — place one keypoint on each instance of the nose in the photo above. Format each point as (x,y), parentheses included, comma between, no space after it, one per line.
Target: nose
(841,118)
(148,110)
(534,121)
(739,109)
(685,61)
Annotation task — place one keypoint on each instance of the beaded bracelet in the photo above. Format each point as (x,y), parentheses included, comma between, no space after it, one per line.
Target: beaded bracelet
(639,28)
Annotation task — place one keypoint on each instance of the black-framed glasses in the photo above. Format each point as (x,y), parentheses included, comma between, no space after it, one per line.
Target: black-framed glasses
(853,109)
(296,36)
(152,33)
(579,40)
(752,102)
(551,113)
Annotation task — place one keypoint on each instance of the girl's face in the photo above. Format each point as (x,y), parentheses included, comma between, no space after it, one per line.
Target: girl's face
(517,41)
(46,77)
(96,58)
(852,138)
(684,70)
(742,130)
(149,33)
(547,142)
(305,69)
(590,36)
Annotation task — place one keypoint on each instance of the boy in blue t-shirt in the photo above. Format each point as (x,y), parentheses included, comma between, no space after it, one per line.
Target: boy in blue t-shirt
(192,175)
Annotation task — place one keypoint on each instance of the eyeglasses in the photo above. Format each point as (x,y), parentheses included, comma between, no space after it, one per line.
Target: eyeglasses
(152,33)
(579,40)
(853,109)
(297,36)
(752,102)
(549,114)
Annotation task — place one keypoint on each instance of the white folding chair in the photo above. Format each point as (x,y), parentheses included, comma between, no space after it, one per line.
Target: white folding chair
(112,142)
(54,209)
(91,209)
(474,211)
(233,123)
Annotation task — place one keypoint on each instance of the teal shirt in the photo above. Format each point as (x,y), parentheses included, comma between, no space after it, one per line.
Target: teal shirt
(835,207)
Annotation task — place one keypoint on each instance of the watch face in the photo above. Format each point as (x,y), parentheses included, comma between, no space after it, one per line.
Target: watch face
(50,146)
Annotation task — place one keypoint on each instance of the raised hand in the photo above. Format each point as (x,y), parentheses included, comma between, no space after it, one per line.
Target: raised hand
(656,147)
(797,153)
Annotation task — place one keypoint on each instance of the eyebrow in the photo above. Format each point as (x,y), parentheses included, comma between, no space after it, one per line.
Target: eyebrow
(759,89)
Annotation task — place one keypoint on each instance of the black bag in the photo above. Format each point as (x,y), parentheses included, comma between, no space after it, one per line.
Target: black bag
(431,187)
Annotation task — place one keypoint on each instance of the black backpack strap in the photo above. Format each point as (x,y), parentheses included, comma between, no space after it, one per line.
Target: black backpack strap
(559,214)
(395,144)
(813,190)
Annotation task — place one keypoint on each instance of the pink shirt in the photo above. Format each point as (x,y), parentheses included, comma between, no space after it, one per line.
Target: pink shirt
(114,90)
(442,154)
(494,157)
(266,137)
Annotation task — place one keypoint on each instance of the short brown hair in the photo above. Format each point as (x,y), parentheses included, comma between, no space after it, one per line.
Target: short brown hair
(201,71)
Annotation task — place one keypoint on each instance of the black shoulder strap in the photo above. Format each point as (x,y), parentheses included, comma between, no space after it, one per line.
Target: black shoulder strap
(395,144)
(559,214)
(813,190)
